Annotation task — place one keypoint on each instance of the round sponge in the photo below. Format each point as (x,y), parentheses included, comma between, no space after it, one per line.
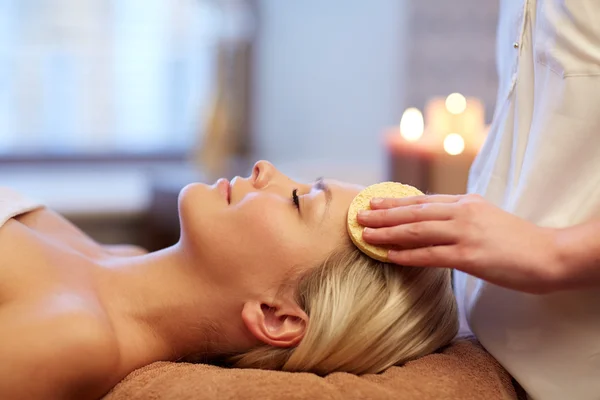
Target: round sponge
(362,202)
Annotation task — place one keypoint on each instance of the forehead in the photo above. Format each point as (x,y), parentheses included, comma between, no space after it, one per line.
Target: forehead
(330,230)
(342,194)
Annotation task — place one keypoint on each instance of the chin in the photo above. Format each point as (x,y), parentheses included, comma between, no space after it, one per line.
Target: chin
(198,205)
(192,198)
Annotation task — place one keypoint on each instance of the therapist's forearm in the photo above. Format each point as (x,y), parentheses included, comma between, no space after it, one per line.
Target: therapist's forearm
(579,254)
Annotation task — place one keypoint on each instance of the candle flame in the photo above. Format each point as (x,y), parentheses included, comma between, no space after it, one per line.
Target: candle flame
(412,124)
(454,144)
(456,103)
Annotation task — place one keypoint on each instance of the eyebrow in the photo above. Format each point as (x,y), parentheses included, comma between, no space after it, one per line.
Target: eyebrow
(321,185)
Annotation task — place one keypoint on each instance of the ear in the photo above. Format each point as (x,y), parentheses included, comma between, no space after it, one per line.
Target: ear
(279,324)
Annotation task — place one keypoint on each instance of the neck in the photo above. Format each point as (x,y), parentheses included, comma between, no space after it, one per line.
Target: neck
(164,309)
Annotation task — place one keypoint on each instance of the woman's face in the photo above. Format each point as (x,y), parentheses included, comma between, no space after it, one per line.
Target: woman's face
(251,233)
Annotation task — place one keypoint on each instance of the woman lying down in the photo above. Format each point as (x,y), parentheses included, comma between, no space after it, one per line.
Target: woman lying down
(264,276)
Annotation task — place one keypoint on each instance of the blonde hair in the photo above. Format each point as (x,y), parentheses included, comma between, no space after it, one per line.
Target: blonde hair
(364,316)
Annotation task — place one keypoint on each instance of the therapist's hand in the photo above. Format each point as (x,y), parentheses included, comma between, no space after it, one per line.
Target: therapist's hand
(469,234)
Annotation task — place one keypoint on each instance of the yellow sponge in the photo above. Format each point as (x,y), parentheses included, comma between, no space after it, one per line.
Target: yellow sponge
(362,202)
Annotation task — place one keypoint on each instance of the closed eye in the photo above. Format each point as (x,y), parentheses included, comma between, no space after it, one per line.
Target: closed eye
(318,185)
(296,199)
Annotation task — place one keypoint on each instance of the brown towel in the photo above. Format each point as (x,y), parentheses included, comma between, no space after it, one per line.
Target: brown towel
(462,371)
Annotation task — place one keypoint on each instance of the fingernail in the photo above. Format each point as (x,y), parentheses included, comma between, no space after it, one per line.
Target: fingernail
(376,200)
(394,255)
(368,231)
(364,213)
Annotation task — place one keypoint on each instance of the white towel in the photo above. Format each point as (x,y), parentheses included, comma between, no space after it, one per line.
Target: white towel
(12,204)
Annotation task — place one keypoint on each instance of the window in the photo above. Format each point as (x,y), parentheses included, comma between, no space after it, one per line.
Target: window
(104,76)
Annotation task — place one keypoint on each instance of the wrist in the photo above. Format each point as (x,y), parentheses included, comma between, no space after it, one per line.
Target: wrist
(562,256)
(576,258)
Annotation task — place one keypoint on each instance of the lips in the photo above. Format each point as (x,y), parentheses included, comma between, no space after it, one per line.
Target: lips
(224,188)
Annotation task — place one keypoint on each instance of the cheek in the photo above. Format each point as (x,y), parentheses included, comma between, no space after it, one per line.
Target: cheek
(253,239)
(265,230)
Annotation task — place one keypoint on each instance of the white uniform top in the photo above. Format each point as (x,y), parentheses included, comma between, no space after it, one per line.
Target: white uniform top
(13,204)
(542,163)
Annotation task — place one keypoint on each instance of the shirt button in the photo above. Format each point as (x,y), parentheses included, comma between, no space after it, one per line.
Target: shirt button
(516,45)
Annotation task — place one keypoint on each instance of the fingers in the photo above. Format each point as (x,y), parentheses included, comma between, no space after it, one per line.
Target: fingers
(383,203)
(404,215)
(435,256)
(428,233)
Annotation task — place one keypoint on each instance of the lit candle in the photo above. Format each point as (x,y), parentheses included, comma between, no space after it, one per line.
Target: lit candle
(456,114)
(435,152)
(454,144)
(412,125)
(438,119)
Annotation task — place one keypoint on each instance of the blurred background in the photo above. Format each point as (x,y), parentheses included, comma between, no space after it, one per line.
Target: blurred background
(109,107)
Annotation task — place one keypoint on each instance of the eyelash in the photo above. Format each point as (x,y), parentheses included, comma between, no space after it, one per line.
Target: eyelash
(295,198)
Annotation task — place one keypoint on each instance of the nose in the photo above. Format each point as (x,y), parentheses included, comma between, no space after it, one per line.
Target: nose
(264,177)
(262,174)
(261,177)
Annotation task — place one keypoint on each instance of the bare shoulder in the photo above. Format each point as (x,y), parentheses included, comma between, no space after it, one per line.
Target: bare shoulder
(62,357)
(49,222)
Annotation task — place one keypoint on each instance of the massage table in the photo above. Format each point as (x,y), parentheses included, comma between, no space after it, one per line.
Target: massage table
(463,370)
